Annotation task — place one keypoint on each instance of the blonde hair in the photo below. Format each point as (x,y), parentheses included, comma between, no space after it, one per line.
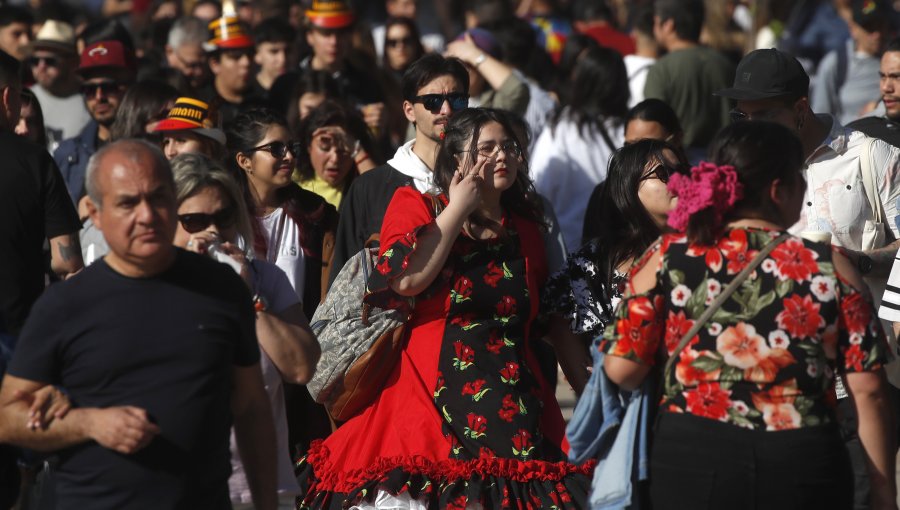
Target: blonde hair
(196,172)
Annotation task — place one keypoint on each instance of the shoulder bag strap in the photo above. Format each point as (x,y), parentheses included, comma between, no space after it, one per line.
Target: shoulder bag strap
(868,179)
(720,300)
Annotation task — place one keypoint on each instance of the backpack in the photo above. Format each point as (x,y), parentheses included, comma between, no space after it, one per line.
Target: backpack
(360,343)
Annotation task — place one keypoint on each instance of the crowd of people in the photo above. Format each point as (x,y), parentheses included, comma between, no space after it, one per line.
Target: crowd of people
(691,203)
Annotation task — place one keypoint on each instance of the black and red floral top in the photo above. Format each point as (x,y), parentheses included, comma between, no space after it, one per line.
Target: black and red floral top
(766,359)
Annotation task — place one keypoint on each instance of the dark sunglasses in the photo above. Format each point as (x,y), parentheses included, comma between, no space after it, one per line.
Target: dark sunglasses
(48,61)
(197,222)
(434,102)
(403,41)
(106,87)
(663,172)
(278,149)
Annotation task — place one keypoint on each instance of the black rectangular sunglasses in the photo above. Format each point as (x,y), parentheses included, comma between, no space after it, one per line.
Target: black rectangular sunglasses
(433,102)
(196,222)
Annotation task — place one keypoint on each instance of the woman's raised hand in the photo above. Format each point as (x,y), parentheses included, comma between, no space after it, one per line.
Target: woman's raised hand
(465,187)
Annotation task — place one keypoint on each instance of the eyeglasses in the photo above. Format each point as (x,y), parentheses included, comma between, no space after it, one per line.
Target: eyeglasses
(664,172)
(403,41)
(195,65)
(325,142)
(106,87)
(196,222)
(48,61)
(488,149)
(278,149)
(434,102)
(738,115)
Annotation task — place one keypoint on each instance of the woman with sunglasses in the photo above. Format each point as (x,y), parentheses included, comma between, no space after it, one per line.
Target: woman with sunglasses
(292,228)
(629,215)
(466,419)
(213,220)
(746,416)
(402,46)
(335,147)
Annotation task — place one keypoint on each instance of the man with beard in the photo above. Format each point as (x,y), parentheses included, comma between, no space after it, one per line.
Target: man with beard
(107,68)
(434,88)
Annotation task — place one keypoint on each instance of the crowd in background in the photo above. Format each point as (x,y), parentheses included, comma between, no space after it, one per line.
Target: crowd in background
(299,131)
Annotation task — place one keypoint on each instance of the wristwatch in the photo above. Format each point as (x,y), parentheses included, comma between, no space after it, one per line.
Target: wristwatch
(864,263)
(260,303)
(479,60)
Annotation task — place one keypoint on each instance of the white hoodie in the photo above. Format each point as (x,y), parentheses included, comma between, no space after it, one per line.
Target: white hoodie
(408,163)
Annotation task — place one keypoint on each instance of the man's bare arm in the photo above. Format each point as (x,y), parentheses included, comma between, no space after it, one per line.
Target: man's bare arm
(65,255)
(124,429)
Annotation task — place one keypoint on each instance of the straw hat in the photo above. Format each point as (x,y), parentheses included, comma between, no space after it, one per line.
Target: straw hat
(190,114)
(55,35)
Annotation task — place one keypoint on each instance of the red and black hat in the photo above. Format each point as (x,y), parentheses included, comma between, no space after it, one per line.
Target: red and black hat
(330,14)
(227,33)
(190,114)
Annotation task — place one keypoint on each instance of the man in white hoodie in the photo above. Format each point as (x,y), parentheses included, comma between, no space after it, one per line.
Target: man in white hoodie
(434,88)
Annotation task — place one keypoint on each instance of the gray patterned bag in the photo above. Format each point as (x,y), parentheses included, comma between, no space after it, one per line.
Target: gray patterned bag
(360,343)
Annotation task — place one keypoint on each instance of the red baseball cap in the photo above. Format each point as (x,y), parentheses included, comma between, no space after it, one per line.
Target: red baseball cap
(106,55)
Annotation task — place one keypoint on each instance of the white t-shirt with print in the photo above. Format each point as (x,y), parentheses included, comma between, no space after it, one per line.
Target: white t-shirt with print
(283,248)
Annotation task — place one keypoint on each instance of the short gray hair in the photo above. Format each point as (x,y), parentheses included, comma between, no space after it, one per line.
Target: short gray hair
(187,30)
(131,148)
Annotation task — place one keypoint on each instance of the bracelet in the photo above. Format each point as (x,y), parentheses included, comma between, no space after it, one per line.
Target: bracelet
(479,60)
(260,303)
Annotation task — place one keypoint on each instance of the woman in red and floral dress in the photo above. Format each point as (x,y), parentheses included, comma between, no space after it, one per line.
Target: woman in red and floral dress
(466,420)
(746,420)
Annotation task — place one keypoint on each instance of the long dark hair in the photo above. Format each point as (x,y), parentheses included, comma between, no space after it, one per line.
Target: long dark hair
(760,153)
(623,227)
(310,82)
(144,102)
(413,33)
(461,137)
(599,91)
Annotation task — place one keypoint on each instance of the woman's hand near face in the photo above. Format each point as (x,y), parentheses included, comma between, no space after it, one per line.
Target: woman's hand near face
(200,242)
(466,188)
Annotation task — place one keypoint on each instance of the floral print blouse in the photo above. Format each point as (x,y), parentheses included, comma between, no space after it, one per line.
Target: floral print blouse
(766,359)
(579,293)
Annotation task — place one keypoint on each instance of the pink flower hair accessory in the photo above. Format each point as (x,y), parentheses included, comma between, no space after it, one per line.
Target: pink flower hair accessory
(708,185)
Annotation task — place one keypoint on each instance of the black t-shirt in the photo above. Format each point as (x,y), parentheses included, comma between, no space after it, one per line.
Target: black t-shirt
(34,206)
(167,344)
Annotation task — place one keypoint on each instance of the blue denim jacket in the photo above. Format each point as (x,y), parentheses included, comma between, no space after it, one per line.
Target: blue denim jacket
(611,425)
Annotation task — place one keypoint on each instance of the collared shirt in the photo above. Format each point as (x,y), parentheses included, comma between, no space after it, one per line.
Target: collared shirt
(835,199)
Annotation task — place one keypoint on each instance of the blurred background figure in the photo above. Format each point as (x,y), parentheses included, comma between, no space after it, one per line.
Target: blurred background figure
(146,103)
(570,157)
(312,89)
(332,140)
(274,38)
(31,121)
(53,61)
(185,54)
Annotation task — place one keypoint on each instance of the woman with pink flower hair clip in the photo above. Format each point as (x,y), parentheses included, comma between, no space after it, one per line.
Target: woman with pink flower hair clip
(756,329)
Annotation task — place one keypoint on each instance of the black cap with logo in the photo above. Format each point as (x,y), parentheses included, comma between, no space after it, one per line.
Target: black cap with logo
(768,73)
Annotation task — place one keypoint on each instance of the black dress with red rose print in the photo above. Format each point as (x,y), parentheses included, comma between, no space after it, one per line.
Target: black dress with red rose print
(466,420)
(485,392)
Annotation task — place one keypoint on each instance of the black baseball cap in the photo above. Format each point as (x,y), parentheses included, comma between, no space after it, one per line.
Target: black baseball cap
(768,73)
(872,15)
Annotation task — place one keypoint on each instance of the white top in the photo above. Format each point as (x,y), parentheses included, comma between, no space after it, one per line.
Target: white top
(835,199)
(274,285)
(408,163)
(283,247)
(64,117)
(567,165)
(637,67)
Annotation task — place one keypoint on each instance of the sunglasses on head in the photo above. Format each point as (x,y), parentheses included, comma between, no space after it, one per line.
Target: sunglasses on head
(197,222)
(343,144)
(664,171)
(106,87)
(278,149)
(48,61)
(401,41)
(434,102)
